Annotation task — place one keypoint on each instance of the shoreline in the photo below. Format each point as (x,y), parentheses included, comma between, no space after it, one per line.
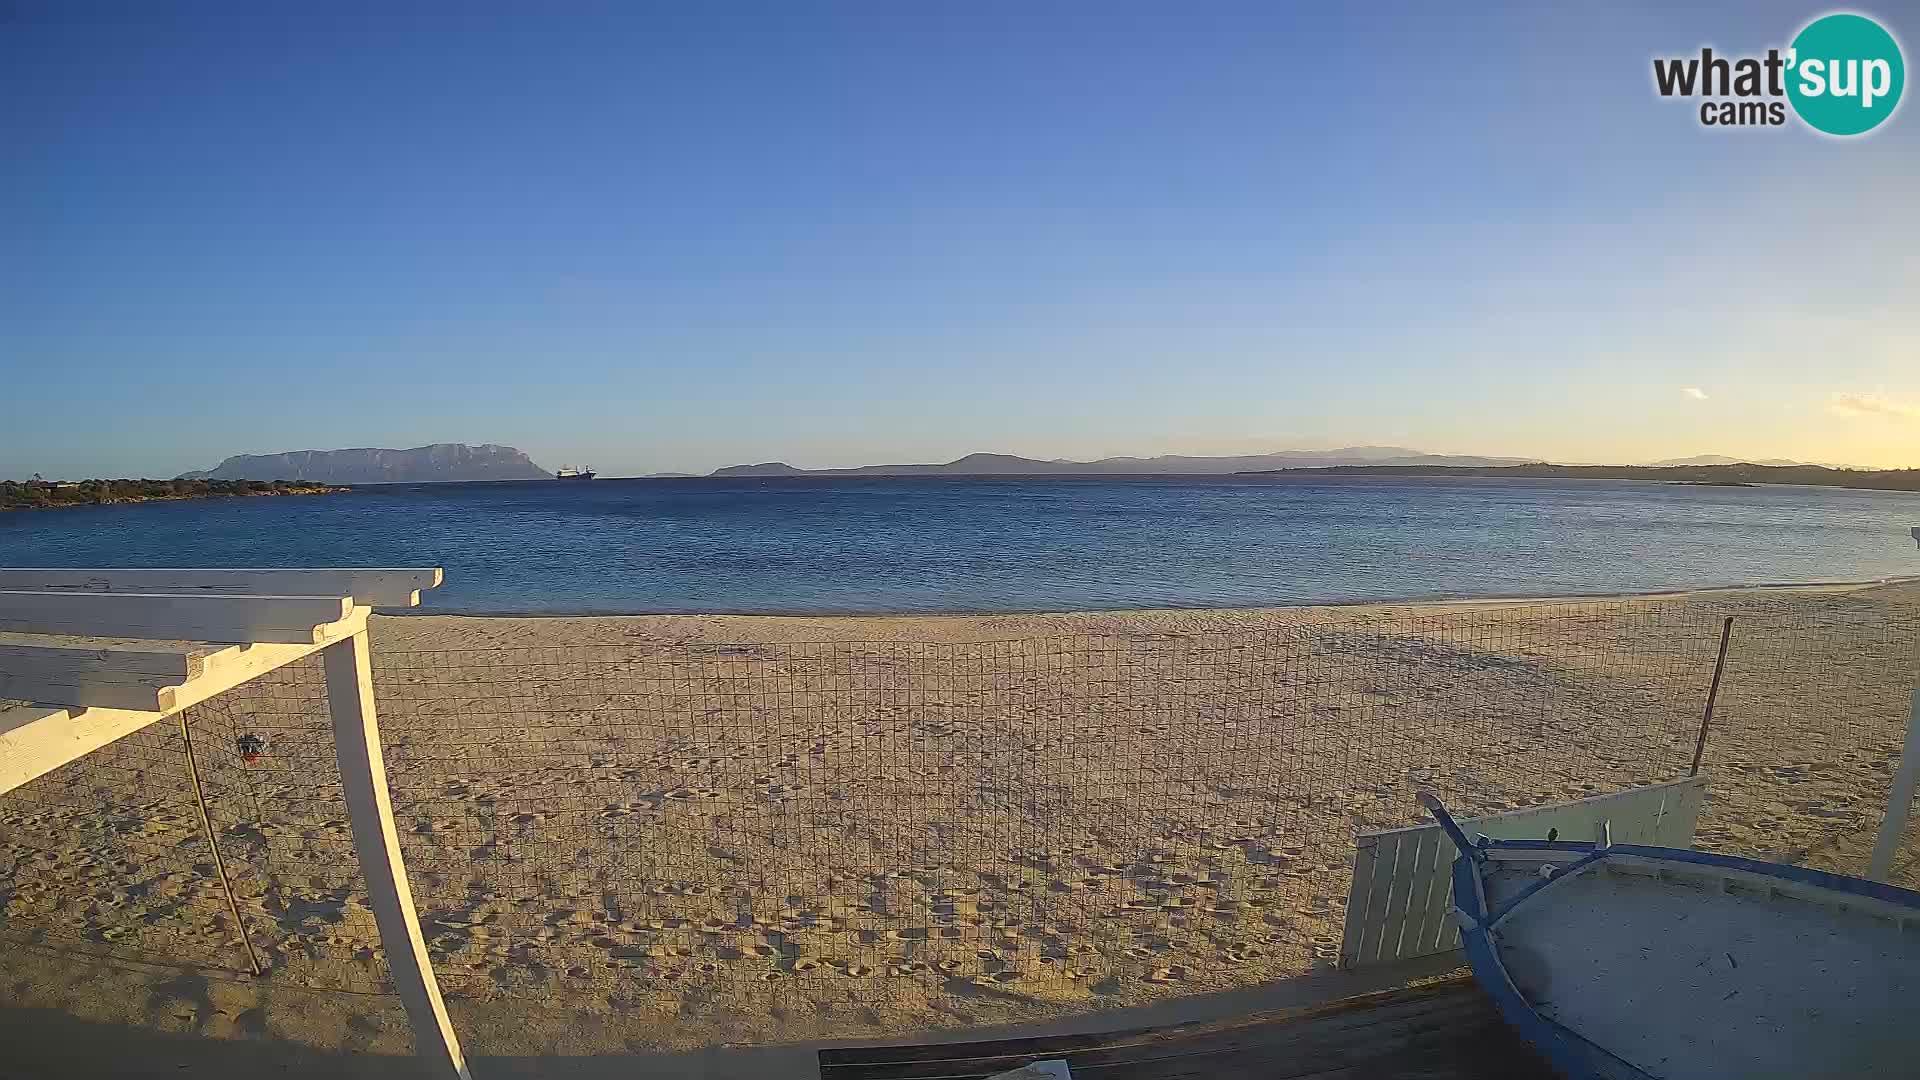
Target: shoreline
(134,499)
(1418,601)
(431,632)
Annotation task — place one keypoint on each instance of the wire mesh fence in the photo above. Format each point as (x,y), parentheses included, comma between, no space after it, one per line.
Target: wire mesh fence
(107,856)
(687,829)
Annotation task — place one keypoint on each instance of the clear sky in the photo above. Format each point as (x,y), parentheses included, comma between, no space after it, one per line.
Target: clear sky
(837,234)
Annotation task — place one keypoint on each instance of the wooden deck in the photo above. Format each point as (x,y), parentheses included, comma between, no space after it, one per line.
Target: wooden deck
(1442,1031)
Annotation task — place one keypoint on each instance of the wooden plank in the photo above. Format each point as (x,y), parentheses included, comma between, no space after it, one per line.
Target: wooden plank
(1900,800)
(375,587)
(163,680)
(1424,904)
(1366,869)
(109,678)
(172,616)
(363,779)
(1380,893)
(1442,1031)
(1400,892)
(35,740)
(40,655)
(39,737)
(1354,1019)
(151,693)
(1392,894)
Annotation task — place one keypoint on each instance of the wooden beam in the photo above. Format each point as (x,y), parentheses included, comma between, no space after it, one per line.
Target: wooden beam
(143,676)
(104,677)
(37,739)
(173,616)
(377,587)
(363,780)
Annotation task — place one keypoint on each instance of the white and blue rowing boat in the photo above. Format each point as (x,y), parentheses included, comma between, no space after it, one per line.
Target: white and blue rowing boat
(1624,962)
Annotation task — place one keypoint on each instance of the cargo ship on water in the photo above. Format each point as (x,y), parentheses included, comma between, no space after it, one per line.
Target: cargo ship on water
(568,472)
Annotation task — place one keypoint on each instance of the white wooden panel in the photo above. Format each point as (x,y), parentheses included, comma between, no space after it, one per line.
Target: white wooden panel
(110,677)
(153,679)
(35,740)
(377,587)
(172,616)
(33,654)
(1399,904)
(363,782)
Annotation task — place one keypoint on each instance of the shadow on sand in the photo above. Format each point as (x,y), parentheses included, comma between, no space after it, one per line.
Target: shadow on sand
(45,1042)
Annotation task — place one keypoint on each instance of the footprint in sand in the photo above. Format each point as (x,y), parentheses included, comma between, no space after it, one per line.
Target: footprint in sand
(623,810)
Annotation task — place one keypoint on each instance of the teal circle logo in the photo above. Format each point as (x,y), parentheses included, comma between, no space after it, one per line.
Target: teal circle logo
(1845,74)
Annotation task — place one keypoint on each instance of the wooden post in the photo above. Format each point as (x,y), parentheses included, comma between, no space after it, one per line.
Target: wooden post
(1900,801)
(1713,694)
(363,778)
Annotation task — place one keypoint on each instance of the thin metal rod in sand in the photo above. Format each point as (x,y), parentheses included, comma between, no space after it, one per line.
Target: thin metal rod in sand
(219,864)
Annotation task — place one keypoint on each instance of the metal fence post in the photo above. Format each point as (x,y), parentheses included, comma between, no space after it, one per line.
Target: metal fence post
(1713,694)
(1900,800)
(363,779)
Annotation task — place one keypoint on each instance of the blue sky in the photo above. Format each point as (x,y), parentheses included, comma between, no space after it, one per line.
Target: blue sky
(836,234)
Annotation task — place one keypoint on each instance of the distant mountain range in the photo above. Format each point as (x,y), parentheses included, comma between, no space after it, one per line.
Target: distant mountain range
(1170,464)
(1740,475)
(1722,459)
(421,464)
(489,461)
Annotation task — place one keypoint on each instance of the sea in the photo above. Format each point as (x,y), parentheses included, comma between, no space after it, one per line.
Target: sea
(967,544)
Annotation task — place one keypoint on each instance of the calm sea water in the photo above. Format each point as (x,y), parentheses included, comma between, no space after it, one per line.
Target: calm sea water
(948,544)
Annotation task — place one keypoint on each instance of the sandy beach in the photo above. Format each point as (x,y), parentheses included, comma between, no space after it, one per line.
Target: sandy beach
(671,832)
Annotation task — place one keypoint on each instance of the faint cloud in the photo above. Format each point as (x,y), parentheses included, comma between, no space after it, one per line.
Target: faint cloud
(1693,392)
(1842,404)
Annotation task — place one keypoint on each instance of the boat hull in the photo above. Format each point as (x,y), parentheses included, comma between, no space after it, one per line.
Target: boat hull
(1626,962)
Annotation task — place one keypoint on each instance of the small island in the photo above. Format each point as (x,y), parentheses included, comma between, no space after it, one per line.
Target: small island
(37,494)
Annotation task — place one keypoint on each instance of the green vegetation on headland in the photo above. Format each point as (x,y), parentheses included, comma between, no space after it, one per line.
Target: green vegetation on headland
(1713,475)
(48,494)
